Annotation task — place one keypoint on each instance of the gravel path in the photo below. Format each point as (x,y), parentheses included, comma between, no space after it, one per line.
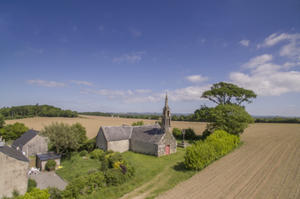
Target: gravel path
(266,166)
(49,179)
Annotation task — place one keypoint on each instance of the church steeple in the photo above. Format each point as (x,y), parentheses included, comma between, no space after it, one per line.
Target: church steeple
(166,118)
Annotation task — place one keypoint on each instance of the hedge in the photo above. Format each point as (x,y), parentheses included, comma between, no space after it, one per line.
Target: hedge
(216,145)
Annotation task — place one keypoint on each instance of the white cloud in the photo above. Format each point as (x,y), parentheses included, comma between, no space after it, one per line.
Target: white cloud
(291,64)
(46,83)
(266,78)
(131,58)
(245,42)
(191,93)
(85,83)
(290,49)
(256,61)
(135,32)
(196,78)
(142,91)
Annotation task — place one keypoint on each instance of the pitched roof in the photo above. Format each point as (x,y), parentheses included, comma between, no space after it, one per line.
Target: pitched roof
(147,133)
(116,133)
(48,156)
(26,137)
(11,152)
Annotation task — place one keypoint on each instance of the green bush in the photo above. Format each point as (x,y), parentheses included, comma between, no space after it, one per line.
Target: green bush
(83,153)
(190,134)
(89,145)
(50,165)
(114,177)
(97,154)
(55,193)
(13,131)
(138,123)
(31,184)
(177,133)
(84,185)
(216,145)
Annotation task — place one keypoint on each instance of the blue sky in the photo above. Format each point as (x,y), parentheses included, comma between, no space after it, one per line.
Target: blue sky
(123,56)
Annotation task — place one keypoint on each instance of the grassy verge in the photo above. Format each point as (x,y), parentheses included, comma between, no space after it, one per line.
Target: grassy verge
(77,166)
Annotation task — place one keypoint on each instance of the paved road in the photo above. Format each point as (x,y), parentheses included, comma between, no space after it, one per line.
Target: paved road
(266,166)
(49,179)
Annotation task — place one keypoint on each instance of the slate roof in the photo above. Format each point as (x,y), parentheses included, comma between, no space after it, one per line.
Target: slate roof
(149,133)
(26,137)
(116,133)
(48,156)
(11,152)
(146,133)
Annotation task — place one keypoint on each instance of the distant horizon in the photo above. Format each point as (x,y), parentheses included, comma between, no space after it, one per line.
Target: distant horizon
(124,57)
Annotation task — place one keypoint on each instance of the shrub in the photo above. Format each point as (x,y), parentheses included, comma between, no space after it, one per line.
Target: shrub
(114,177)
(97,154)
(190,134)
(31,184)
(84,185)
(138,123)
(36,194)
(89,145)
(50,165)
(177,133)
(13,131)
(83,153)
(55,193)
(216,145)
(199,155)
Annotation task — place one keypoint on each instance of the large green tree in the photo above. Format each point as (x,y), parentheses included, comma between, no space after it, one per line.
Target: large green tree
(65,138)
(232,118)
(13,131)
(227,93)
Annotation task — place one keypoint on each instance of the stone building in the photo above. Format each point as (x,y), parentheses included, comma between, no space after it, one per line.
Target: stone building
(147,139)
(13,171)
(41,160)
(31,143)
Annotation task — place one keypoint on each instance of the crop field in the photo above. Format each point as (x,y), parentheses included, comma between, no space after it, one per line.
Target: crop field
(267,165)
(93,123)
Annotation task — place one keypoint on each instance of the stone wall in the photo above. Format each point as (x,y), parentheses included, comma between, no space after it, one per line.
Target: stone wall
(13,175)
(119,146)
(143,147)
(37,145)
(168,139)
(101,141)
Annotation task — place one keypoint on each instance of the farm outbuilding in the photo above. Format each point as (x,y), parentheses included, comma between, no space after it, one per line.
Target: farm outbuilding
(13,171)
(41,160)
(31,143)
(147,139)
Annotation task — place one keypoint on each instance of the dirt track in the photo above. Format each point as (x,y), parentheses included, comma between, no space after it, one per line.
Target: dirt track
(266,166)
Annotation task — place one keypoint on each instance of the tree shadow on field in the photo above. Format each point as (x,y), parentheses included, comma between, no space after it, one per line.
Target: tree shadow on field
(180,167)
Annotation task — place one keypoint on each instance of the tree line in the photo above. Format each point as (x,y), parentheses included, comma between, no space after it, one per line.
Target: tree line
(18,112)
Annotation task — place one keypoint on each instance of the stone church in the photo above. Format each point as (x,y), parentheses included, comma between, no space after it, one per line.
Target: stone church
(148,139)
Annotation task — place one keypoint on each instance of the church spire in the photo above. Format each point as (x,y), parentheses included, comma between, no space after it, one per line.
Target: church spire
(166,118)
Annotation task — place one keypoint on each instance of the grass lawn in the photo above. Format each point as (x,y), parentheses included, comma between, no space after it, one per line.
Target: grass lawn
(77,166)
(163,173)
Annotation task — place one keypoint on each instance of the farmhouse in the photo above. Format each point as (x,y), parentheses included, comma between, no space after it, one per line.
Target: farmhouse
(13,171)
(31,143)
(147,139)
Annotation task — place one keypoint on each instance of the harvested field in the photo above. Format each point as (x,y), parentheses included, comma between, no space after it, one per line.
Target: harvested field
(266,166)
(93,123)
